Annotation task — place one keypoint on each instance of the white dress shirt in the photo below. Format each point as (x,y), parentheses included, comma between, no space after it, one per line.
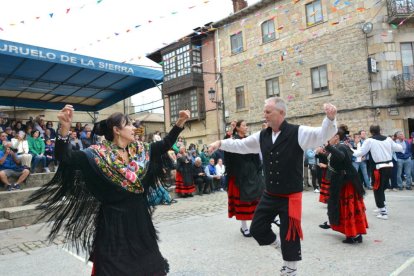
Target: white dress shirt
(308,137)
(381,151)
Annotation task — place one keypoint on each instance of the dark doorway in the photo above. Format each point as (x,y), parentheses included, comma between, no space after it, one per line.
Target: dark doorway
(410,126)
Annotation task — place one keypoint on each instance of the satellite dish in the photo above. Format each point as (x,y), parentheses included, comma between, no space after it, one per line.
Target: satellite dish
(367,27)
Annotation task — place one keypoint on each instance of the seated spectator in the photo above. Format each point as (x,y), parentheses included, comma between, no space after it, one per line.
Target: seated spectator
(28,131)
(37,150)
(19,126)
(9,133)
(22,149)
(178,144)
(87,141)
(78,129)
(221,170)
(200,179)
(3,138)
(50,152)
(212,176)
(86,128)
(47,135)
(76,143)
(49,126)
(38,125)
(10,166)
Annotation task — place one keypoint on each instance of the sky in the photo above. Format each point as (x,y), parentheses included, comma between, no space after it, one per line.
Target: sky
(117,30)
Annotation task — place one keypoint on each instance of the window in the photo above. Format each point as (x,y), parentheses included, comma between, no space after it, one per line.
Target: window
(236,41)
(314,12)
(319,79)
(179,62)
(268,31)
(240,103)
(185,100)
(407,59)
(272,87)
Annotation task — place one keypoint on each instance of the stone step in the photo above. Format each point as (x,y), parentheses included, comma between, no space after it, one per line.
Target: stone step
(16,197)
(6,224)
(21,215)
(20,211)
(35,180)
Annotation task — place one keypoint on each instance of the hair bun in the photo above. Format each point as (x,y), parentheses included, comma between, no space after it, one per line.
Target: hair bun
(100,128)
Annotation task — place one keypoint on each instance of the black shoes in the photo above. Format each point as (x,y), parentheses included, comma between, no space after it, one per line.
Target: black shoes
(350,240)
(245,233)
(324,225)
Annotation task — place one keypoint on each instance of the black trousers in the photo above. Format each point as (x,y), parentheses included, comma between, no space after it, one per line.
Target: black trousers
(261,228)
(379,194)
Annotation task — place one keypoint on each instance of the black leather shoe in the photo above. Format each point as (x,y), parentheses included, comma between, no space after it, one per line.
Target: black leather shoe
(350,240)
(247,235)
(324,225)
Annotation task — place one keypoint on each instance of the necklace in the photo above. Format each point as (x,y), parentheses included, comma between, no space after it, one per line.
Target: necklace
(120,148)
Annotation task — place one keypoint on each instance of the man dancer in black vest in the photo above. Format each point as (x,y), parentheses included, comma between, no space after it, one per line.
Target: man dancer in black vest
(282,146)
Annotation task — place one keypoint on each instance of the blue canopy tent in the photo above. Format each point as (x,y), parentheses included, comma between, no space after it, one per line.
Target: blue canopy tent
(36,77)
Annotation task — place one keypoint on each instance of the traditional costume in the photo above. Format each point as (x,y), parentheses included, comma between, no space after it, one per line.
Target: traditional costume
(100,201)
(283,168)
(184,184)
(245,183)
(381,149)
(346,209)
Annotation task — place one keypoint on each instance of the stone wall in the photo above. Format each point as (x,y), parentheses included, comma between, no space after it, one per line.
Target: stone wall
(338,42)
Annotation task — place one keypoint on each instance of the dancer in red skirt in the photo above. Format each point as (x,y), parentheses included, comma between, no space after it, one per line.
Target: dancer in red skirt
(324,184)
(245,184)
(184,186)
(346,208)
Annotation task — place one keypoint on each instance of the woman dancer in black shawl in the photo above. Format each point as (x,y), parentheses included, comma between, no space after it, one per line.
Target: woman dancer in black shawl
(346,208)
(98,196)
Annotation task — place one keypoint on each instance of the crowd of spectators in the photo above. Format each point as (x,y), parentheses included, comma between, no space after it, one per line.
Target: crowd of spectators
(28,147)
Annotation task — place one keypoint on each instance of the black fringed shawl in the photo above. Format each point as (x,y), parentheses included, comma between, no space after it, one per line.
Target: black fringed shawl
(341,170)
(87,206)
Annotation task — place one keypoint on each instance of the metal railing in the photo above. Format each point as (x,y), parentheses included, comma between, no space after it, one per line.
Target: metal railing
(400,8)
(404,84)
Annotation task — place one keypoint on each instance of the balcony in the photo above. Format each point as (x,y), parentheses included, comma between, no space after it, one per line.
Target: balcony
(405,86)
(400,10)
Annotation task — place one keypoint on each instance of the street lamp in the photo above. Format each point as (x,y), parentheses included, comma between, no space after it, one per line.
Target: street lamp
(212,98)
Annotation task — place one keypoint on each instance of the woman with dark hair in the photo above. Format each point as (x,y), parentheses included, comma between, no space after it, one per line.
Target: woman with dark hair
(99,196)
(245,181)
(346,208)
(37,150)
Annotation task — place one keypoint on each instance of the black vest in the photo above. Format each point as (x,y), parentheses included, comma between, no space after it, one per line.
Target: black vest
(283,160)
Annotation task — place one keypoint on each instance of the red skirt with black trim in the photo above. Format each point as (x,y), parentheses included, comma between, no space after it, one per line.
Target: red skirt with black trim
(324,189)
(242,210)
(352,218)
(180,188)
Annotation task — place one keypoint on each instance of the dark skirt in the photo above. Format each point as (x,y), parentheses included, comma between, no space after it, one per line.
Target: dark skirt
(352,218)
(126,240)
(242,210)
(180,188)
(324,189)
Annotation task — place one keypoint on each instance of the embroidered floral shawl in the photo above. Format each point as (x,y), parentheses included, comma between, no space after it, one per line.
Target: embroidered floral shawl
(126,173)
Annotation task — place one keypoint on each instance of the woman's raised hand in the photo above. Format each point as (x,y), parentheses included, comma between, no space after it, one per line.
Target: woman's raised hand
(65,117)
(183,116)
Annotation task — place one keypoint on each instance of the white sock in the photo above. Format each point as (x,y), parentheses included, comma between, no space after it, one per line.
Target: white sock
(244,225)
(383,210)
(291,265)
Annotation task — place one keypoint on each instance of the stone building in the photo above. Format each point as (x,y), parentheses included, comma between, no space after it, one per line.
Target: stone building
(358,55)
(189,67)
